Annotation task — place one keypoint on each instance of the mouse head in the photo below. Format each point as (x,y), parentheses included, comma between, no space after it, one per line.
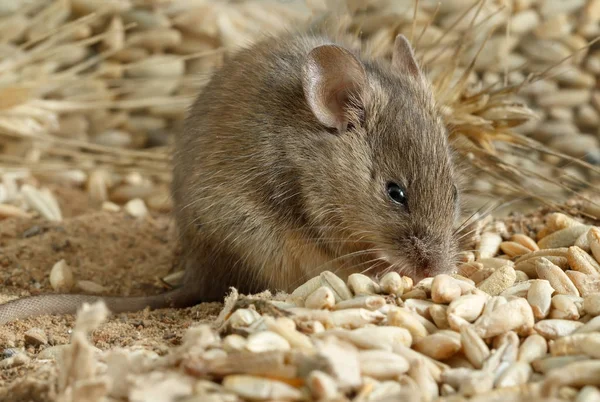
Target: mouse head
(385,172)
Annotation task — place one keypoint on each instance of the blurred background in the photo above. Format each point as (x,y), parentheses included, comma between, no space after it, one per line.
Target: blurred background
(93,91)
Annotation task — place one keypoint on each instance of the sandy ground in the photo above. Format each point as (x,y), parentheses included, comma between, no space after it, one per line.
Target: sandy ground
(127,256)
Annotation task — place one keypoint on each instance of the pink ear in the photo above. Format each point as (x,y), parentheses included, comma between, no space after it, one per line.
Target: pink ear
(403,58)
(331,76)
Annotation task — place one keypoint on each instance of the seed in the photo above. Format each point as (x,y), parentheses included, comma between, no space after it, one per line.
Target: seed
(326,278)
(539,297)
(340,290)
(422,377)
(468,307)
(361,284)
(382,365)
(499,281)
(556,276)
(581,261)
(585,284)
(576,374)
(415,294)
(35,337)
(90,287)
(156,39)
(321,385)
(524,22)
(127,192)
(588,394)
(556,252)
(408,283)
(419,306)
(494,262)
(591,304)
(43,202)
(242,318)
(322,298)
(563,307)
(514,315)
(570,345)
(474,347)
(136,208)
(355,317)
(516,374)
(157,66)
(97,186)
(381,337)
(259,388)
(286,328)
(479,382)
(234,343)
(341,359)
(440,345)
(489,244)
(563,238)
(554,328)
(592,347)
(469,268)
(11,211)
(519,289)
(366,302)
(547,364)
(439,316)
(402,317)
(110,207)
(445,289)
(434,367)
(529,266)
(61,277)
(482,275)
(392,284)
(592,325)
(514,249)
(547,51)
(525,241)
(456,376)
(508,343)
(533,347)
(593,236)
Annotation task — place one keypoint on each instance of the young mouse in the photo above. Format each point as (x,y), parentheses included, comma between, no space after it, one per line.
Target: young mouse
(300,156)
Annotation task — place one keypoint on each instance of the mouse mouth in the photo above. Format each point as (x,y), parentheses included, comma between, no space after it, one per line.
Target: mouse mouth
(401,265)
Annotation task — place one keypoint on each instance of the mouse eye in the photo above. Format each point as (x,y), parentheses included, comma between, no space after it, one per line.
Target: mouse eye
(396,193)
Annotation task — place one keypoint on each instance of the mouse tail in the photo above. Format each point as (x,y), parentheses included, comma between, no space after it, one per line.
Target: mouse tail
(58,304)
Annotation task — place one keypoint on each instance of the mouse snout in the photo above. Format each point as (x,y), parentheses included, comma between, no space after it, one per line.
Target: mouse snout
(429,257)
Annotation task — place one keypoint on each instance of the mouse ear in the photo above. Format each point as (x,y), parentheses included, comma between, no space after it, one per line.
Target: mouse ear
(331,77)
(403,58)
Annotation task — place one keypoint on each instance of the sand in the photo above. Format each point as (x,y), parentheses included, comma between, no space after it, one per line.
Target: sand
(125,255)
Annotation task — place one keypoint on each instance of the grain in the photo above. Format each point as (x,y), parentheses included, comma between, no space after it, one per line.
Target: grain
(61,277)
(557,278)
(539,297)
(322,298)
(499,281)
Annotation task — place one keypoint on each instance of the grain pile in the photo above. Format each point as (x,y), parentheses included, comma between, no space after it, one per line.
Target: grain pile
(519,321)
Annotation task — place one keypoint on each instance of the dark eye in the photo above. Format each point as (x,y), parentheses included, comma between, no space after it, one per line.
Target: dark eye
(396,193)
(455,192)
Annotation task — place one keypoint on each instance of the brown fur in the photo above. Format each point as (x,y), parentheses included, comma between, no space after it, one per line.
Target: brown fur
(266,197)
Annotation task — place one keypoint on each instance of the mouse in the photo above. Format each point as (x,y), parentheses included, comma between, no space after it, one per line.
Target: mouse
(301,154)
